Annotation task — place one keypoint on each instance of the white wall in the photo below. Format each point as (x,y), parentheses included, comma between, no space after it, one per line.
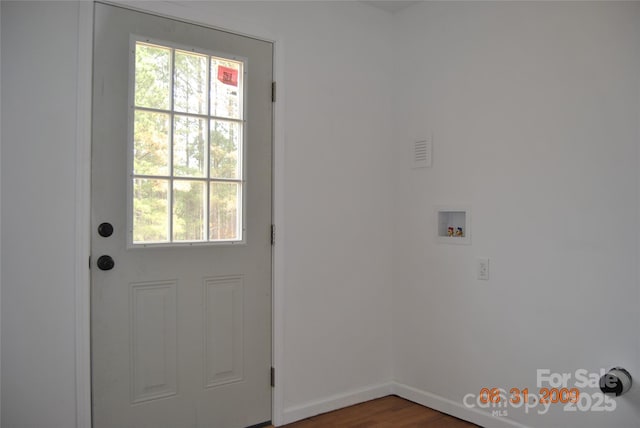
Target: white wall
(39,43)
(337,320)
(534,110)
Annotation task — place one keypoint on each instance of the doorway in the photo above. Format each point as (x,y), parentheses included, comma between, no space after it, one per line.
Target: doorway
(181,224)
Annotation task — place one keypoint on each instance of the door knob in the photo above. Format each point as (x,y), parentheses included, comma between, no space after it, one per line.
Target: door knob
(105,230)
(105,263)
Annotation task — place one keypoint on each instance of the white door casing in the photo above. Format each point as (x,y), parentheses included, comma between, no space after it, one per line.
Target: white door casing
(181,336)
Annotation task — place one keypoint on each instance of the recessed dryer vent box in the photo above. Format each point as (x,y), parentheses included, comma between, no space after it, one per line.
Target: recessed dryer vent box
(453,224)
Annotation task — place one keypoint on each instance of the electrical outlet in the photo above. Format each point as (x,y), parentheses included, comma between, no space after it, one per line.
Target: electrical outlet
(482,268)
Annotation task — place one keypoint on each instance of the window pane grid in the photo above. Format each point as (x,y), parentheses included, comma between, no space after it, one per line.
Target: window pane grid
(201,179)
(173,132)
(194,115)
(208,194)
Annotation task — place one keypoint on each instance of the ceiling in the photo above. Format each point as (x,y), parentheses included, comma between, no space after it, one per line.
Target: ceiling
(390,6)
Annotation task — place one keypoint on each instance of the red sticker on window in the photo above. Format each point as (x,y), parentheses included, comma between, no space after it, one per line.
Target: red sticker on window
(228,75)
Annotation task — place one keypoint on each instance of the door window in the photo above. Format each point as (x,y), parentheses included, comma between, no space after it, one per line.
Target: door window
(187,146)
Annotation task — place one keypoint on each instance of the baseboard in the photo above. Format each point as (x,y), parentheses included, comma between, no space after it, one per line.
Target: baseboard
(433,401)
(335,402)
(452,408)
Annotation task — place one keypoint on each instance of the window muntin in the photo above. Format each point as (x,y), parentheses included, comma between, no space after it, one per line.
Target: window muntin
(187,146)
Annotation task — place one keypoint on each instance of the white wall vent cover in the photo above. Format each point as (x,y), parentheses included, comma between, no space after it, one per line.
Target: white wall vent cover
(421,153)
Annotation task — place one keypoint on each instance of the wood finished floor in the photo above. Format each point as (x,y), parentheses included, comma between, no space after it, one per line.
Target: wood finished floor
(387,412)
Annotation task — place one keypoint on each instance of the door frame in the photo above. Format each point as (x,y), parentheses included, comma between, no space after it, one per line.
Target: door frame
(82,206)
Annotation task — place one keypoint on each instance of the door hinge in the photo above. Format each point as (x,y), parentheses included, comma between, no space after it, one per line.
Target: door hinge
(273,234)
(273,92)
(273,377)
(89,262)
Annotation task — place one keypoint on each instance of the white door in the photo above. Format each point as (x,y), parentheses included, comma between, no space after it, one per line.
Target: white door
(181,218)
